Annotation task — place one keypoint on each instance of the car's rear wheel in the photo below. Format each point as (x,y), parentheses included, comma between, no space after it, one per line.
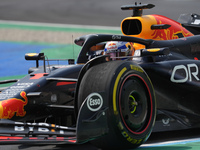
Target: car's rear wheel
(131,102)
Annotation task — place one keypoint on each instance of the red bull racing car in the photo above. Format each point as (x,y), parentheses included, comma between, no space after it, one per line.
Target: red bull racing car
(114,104)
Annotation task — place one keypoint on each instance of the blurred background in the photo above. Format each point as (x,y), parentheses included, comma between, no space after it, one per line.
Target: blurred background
(88,12)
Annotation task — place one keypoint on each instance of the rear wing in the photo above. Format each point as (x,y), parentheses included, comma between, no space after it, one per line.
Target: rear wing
(191,22)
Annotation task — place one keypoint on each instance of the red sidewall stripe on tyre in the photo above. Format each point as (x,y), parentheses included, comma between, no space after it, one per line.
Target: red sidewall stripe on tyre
(150,101)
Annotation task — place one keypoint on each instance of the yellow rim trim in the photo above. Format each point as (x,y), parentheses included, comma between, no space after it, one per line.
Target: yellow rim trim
(115,89)
(133,103)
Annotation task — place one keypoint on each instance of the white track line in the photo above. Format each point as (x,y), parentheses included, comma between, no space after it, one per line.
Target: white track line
(168,143)
(59,25)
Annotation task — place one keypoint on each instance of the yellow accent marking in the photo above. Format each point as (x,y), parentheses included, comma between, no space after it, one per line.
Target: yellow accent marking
(31,54)
(115,89)
(52,130)
(53,125)
(153,50)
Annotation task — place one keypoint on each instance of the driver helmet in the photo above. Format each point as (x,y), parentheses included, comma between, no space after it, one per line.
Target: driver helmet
(118,49)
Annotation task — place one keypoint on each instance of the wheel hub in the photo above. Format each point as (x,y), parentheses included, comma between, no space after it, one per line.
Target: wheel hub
(132,104)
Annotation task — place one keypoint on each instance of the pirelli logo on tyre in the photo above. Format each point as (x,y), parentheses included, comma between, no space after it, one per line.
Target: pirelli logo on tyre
(136,68)
(94,102)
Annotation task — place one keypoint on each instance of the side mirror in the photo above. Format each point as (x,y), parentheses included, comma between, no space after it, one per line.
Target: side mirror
(34,56)
(37,57)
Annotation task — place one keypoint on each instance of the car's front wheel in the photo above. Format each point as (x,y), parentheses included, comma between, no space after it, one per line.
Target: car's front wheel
(131,100)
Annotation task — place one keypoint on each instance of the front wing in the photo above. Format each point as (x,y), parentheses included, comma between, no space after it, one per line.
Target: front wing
(35,133)
(90,125)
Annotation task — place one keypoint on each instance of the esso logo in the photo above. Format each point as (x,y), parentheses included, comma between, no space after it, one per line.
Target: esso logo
(94,102)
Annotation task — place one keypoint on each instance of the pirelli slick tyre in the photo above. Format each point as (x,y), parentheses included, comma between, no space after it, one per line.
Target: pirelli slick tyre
(131,101)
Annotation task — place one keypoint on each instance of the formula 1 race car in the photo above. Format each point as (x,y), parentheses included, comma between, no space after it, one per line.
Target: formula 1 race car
(111,103)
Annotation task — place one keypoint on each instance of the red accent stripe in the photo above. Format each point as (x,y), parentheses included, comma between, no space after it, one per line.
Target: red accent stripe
(72,141)
(33,138)
(2,138)
(60,138)
(64,83)
(38,76)
(9,139)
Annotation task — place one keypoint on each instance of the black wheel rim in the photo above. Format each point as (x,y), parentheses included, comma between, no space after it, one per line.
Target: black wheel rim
(135,104)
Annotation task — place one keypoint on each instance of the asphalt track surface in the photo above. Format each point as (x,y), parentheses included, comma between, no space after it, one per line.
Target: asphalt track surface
(101,13)
(179,140)
(88,12)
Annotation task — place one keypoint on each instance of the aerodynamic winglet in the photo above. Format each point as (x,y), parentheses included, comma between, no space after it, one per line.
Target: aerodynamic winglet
(137,8)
